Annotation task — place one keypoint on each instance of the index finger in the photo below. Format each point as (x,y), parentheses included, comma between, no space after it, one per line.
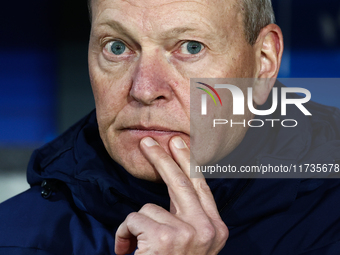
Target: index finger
(181,189)
(202,189)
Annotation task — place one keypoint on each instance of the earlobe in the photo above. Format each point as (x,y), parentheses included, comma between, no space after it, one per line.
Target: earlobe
(269,48)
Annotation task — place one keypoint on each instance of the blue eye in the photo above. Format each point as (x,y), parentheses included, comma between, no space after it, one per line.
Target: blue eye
(191,47)
(194,47)
(117,47)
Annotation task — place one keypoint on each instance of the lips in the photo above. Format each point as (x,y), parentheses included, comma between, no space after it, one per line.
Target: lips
(153,131)
(130,136)
(152,128)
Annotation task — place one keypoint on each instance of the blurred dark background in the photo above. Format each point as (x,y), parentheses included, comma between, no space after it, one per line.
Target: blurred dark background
(44,84)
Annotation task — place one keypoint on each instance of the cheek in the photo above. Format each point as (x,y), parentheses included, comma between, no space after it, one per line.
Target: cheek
(209,66)
(110,98)
(211,143)
(110,84)
(208,141)
(108,78)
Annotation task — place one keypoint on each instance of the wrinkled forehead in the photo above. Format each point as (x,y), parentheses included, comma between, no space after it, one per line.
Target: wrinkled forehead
(151,14)
(154,3)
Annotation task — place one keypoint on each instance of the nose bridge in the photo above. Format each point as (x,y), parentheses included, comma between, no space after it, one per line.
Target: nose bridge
(150,78)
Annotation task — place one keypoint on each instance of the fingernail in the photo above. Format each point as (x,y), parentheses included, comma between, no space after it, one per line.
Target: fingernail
(179,143)
(148,141)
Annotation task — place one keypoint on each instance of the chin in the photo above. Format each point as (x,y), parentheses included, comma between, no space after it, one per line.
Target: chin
(131,158)
(124,148)
(141,169)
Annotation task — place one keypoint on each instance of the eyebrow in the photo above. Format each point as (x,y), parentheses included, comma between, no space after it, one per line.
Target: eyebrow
(176,31)
(114,25)
(170,33)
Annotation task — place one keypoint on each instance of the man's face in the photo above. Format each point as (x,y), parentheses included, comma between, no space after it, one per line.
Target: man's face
(142,54)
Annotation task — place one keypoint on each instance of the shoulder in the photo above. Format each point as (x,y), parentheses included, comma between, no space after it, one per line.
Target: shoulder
(34,225)
(304,222)
(32,222)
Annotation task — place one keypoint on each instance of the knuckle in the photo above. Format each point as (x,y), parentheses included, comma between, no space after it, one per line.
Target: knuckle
(187,234)
(148,207)
(163,157)
(182,181)
(168,236)
(151,209)
(165,237)
(203,186)
(208,233)
(224,232)
(186,161)
(131,217)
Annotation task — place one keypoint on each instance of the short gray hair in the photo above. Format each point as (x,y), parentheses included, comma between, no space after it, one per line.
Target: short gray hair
(257,15)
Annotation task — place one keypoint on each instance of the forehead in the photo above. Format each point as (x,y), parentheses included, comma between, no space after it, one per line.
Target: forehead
(159,3)
(161,15)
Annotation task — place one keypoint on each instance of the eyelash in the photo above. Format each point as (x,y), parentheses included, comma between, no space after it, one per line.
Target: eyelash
(110,56)
(108,44)
(196,54)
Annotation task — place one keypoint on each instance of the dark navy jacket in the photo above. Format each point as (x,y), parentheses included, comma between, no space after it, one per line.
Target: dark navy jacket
(86,195)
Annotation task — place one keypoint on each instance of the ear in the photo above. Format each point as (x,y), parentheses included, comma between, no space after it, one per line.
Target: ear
(268,48)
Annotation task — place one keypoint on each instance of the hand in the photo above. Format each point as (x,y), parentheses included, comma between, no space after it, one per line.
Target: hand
(193,225)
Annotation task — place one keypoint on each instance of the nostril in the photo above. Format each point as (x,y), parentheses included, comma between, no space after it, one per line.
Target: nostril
(160,97)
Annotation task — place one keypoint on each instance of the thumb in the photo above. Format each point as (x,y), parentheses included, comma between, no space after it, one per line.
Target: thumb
(125,241)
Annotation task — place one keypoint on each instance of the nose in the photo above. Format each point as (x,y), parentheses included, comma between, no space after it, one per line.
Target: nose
(151,80)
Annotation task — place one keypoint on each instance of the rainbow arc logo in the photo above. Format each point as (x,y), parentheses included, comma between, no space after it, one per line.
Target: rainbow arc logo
(204,97)
(209,93)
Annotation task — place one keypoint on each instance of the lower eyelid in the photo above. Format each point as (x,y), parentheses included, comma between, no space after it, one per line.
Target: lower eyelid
(117,58)
(190,57)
